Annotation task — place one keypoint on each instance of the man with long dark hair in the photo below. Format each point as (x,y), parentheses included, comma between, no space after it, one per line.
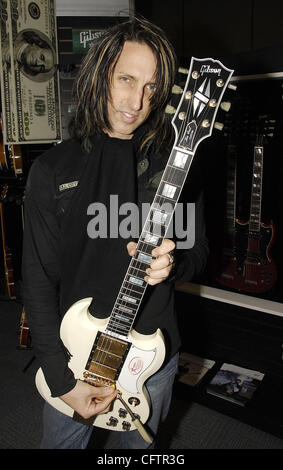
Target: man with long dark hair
(120,140)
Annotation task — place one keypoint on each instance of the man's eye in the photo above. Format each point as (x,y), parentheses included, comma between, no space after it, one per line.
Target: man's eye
(151,87)
(124,79)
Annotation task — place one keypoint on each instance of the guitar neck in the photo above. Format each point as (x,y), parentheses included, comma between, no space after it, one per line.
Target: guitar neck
(231,190)
(154,231)
(256,192)
(193,121)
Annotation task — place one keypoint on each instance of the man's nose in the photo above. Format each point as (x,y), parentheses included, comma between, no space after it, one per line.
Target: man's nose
(137,99)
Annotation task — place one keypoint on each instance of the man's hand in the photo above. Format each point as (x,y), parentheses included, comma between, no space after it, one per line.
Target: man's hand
(160,267)
(88,400)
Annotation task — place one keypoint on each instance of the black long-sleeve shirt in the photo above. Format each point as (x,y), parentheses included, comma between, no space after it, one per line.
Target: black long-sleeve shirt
(62,263)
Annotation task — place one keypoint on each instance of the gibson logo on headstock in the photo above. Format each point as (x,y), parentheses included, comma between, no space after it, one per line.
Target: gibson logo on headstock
(208,69)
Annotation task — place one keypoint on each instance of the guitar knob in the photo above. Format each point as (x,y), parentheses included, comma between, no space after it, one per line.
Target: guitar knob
(170,109)
(177,90)
(232,86)
(218,125)
(112,421)
(182,70)
(212,103)
(182,115)
(225,105)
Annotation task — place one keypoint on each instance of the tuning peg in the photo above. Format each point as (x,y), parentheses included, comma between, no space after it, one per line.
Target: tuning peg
(225,105)
(170,109)
(177,90)
(218,125)
(232,86)
(182,70)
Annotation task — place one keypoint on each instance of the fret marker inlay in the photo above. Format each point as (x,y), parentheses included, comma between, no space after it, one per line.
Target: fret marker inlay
(169,190)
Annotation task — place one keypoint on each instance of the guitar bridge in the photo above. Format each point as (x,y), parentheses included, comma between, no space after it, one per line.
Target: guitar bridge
(97,381)
(106,360)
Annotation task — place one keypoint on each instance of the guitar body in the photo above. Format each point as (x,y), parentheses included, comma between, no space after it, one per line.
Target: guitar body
(144,355)
(259,272)
(252,268)
(233,258)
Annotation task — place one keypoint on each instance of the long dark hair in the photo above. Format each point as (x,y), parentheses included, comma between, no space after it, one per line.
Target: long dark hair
(92,82)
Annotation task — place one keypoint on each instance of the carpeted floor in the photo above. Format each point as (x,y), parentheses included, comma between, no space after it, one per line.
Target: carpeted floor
(189,424)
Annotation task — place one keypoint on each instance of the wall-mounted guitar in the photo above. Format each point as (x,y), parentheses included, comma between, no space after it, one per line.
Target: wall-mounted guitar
(110,352)
(238,129)
(7,255)
(259,272)
(10,157)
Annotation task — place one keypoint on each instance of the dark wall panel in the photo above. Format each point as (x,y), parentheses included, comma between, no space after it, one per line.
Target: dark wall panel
(268,23)
(217,28)
(168,15)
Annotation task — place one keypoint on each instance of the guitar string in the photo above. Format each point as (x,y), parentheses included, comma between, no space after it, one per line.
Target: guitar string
(127,291)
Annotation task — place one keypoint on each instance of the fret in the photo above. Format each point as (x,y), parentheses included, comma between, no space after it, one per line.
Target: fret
(155,229)
(120,322)
(125,310)
(122,317)
(152,239)
(180,159)
(169,191)
(134,270)
(129,292)
(129,285)
(166,207)
(175,168)
(137,264)
(129,299)
(136,280)
(118,330)
(143,257)
(144,248)
(159,216)
(174,177)
(126,307)
(161,199)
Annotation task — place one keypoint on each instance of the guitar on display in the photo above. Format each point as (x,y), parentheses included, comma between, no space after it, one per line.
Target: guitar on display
(112,353)
(249,266)
(259,272)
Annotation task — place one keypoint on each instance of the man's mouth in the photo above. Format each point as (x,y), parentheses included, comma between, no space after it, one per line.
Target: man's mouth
(128,117)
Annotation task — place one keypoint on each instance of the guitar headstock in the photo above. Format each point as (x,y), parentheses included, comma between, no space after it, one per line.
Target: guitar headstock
(195,116)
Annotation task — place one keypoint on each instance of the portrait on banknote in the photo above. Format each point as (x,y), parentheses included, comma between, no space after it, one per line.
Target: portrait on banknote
(29,72)
(35,55)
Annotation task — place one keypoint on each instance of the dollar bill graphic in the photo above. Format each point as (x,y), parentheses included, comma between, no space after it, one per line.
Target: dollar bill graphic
(8,97)
(34,88)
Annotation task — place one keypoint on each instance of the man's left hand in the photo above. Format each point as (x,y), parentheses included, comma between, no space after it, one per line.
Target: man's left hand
(161,265)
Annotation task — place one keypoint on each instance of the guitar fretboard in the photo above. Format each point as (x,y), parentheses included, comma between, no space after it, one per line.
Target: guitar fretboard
(255,207)
(154,230)
(231,190)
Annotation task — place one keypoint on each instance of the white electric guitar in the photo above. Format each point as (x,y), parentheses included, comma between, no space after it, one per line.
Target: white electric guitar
(110,352)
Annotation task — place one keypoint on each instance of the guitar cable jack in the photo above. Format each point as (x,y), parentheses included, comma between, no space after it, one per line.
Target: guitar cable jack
(135,420)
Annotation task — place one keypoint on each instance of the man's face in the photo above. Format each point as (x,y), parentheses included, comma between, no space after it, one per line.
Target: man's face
(38,59)
(132,85)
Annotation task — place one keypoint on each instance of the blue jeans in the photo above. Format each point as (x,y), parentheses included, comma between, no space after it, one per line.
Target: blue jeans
(62,432)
